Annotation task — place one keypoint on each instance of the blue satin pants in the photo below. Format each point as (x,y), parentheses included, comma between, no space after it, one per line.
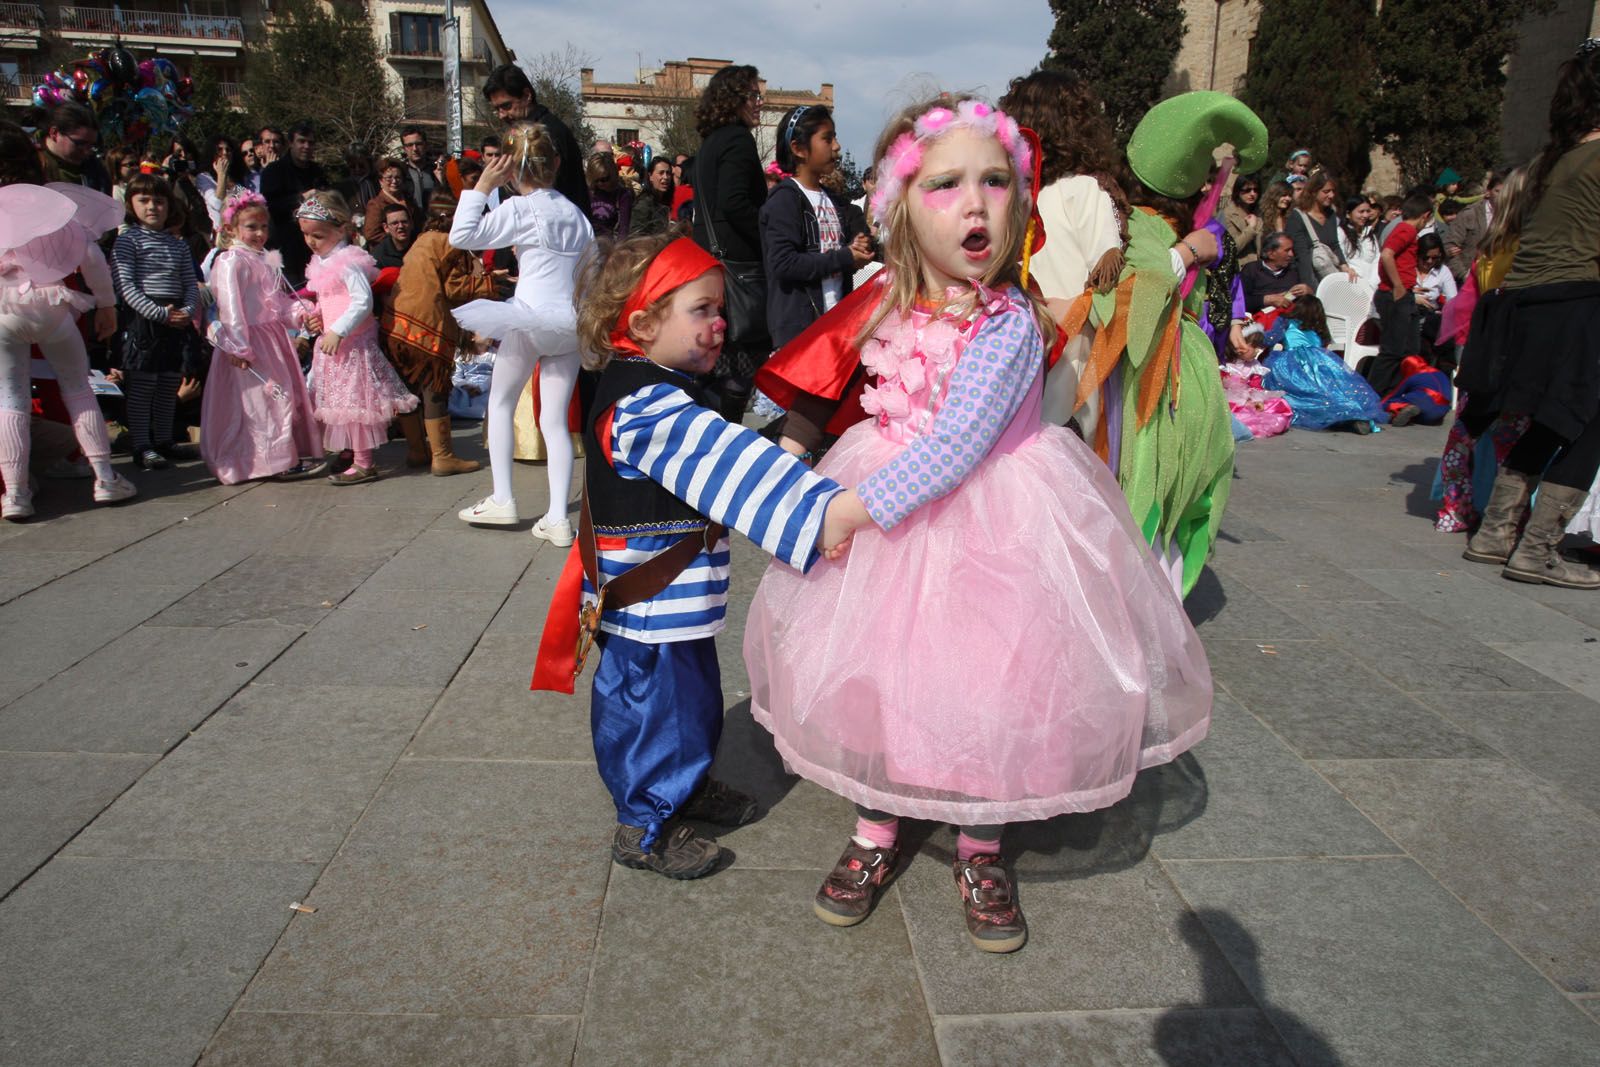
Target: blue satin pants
(656,716)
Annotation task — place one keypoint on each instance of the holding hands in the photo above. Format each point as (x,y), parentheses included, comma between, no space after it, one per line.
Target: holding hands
(845,515)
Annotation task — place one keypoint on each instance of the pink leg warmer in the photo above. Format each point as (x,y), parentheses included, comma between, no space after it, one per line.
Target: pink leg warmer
(881,834)
(968,847)
(15,442)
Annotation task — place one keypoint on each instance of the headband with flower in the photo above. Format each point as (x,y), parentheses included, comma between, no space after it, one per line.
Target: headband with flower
(904,156)
(240,202)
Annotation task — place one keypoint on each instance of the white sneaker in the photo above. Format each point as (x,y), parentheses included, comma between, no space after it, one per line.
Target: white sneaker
(488,513)
(117,489)
(16,506)
(558,533)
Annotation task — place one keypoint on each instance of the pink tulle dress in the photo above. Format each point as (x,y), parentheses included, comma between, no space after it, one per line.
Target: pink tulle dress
(254,428)
(1007,649)
(356,392)
(1264,412)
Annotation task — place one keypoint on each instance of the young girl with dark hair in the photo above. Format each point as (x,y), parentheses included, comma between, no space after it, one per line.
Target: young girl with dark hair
(808,255)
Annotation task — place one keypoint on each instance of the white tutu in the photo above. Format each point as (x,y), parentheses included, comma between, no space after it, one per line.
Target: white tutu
(550,328)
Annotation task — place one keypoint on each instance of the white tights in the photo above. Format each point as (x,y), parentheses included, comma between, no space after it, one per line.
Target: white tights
(558,376)
(56,334)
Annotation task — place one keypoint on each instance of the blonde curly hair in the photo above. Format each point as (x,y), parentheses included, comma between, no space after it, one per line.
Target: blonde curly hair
(608,275)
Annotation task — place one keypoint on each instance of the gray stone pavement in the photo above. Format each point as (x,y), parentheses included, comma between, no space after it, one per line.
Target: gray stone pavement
(216,702)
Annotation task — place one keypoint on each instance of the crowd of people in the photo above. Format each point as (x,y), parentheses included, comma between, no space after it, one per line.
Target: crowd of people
(965,414)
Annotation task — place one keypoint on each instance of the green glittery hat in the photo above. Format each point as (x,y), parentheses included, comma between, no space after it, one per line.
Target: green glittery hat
(1172,147)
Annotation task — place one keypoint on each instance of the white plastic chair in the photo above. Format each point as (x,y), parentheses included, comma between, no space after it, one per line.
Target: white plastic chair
(1346,303)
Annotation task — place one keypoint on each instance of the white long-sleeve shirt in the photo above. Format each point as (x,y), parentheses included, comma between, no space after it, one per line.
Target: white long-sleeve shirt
(550,236)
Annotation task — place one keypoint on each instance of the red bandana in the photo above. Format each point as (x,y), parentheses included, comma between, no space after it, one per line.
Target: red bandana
(680,263)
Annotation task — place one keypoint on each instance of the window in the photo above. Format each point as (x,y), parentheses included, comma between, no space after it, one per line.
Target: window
(626,137)
(416,35)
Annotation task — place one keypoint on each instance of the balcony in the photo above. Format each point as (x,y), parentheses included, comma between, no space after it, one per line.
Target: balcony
(397,48)
(169,31)
(21,25)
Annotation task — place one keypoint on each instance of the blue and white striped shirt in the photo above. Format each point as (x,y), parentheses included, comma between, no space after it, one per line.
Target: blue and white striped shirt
(728,473)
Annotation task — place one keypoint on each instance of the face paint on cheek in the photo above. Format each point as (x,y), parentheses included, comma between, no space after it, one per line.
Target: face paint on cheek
(940,199)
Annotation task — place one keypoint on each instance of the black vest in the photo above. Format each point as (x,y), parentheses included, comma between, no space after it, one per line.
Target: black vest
(630,506)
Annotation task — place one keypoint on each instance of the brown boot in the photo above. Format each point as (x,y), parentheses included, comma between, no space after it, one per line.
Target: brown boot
(445,461)
(1538,556)
(1496,534)
(417,454)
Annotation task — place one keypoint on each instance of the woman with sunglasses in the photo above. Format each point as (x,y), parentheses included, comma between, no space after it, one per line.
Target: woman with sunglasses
(1242,217)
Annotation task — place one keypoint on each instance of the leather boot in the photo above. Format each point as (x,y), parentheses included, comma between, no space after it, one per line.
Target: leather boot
(417,454)
(1538,556)
(445,461)
(1497,532)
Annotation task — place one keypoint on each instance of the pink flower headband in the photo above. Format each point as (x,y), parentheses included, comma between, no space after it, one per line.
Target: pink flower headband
(904,157)
(239,202)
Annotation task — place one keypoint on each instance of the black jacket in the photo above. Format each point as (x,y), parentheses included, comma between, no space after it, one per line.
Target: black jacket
(791,240)
(284,185)
(570,181)
(728,185)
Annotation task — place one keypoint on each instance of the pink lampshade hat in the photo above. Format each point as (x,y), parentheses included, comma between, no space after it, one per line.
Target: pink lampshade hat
(29,211)
(97,212)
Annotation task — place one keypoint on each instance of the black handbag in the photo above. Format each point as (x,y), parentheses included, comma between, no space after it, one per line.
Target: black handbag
(744,293)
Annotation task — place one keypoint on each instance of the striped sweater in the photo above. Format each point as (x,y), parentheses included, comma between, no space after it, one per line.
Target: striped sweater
(153,270)
(728,473)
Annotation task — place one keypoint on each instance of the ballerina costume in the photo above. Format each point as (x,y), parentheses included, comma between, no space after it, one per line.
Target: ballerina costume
(250,431)
(1001,646)
(357,392)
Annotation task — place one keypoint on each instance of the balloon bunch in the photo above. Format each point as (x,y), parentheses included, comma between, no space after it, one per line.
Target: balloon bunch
(132,98)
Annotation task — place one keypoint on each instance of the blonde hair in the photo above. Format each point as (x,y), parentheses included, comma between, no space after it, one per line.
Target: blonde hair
(1510,208)
(227,234)
(903,259)
(533,153)
(607,277)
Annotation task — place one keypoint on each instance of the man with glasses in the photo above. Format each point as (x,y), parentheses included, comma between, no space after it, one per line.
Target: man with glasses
(397,234)
(419,173)
(252,164)
(270,145)
(68,155)
(284,183)
(510,96)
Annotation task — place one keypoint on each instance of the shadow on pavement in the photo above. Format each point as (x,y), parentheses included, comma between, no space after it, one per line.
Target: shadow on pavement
(1187,1038)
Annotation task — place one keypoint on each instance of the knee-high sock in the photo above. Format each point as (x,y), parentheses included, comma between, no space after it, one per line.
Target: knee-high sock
(164,409)
(513,366)
(558,376)
(14,447)
(139,389)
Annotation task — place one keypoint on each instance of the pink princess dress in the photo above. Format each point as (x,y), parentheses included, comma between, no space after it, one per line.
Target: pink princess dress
(254,428)
(1001,646)
(1264,412)
(356,391)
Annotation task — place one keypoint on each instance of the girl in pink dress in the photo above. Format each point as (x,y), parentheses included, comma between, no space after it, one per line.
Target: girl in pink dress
(996,642)
(357,392)
(256,412)
(48,234)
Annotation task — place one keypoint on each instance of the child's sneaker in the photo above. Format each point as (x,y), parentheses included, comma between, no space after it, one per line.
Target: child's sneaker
(994,921)
(114,491)
(151,460)
(558,533)
(17,505)
(852,887)
(490,512)
(715,802)
(678,852)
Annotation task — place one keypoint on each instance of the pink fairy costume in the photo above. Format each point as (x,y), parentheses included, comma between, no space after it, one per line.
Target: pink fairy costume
(254,428)
(1264,412)
(47,234)
(357,392)
(1002,646)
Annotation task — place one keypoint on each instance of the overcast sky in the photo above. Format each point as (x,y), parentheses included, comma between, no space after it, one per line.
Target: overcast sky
(879,54)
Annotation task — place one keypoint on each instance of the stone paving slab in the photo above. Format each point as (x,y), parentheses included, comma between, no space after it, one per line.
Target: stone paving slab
(314,1039)
(49,796)
(118,962)
(1373,962)
(1510,846)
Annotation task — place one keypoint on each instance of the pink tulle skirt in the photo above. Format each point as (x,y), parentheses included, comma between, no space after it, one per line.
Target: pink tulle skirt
(357,393)
(1009,652)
